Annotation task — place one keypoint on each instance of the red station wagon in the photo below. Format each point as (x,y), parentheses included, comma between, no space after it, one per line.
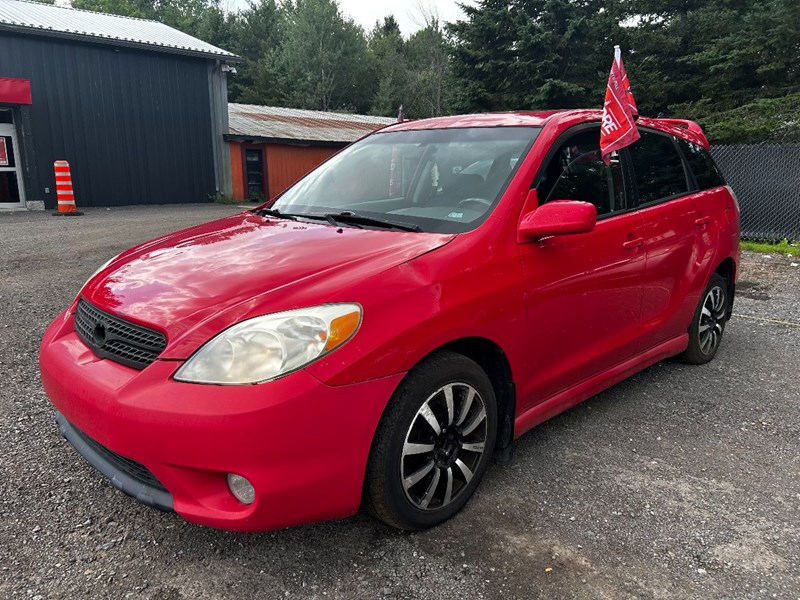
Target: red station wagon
(394,319)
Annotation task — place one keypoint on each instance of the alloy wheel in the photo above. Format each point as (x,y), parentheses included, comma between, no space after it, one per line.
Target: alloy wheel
(444,446)
(712,320)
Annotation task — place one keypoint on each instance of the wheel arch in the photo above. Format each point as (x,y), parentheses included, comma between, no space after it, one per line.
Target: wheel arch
(493,360)
(727,270)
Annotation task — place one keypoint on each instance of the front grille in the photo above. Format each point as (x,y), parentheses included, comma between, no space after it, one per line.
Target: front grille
(117,339)
(131,468)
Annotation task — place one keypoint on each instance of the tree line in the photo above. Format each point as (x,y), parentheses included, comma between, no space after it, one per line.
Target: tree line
(733,65)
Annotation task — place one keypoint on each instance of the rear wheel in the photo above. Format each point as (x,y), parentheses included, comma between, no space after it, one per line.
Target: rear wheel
(708,323)
(433,443)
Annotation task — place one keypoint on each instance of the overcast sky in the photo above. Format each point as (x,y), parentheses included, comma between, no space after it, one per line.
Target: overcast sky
(407,12)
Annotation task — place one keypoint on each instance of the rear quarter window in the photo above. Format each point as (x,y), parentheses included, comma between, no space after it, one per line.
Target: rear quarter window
(702,165)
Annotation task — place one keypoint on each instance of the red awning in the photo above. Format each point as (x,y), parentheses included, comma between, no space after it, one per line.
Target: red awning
(15,91)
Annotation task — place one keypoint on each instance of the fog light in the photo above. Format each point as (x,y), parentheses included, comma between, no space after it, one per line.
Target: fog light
(241,488)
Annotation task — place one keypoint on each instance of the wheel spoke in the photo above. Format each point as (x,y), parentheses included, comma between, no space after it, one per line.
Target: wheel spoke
(431,489)
(444,446)
(464,470)
(448,490)
(473,447)
(475,422)
(719,299)
(466,406)
(428,415)
(417,476)
(704,327)
(706,312)
(448,399)
(409,448)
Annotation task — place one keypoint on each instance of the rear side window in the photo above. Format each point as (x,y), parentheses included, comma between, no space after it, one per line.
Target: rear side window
(704,169)
(658,167)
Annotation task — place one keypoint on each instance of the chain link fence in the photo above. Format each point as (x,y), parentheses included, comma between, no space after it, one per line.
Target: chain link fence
(766,180)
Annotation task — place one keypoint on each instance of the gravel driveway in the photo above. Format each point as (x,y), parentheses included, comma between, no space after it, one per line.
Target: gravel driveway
(682,482)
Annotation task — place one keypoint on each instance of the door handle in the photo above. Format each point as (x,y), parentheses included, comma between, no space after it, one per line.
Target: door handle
(634,243)
(702,220)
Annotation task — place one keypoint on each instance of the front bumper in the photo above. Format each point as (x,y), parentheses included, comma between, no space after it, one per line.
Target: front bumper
(125,474)
(302,444)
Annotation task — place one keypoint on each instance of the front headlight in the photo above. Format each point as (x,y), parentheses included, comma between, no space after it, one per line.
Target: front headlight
(267,347)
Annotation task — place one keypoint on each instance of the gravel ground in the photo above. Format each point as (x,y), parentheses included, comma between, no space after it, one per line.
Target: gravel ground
(682,482)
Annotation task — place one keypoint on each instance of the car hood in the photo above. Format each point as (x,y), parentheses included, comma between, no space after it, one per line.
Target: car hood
(196,282)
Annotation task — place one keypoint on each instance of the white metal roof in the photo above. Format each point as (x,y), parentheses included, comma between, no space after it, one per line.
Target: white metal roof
(46,19)
(269,122)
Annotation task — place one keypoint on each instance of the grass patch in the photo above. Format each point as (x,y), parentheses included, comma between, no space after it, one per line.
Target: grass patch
(224,199)
(784,247)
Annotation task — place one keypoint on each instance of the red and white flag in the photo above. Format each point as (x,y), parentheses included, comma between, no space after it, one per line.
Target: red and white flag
(618,128)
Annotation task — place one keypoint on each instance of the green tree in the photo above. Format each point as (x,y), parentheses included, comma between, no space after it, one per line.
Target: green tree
(485,56)
(323,62)
(712,55)
(386,49)
(523,54)
(256,33)
(428,57)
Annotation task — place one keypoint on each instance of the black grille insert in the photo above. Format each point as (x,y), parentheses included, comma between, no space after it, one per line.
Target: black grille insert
(117,339)
(130,467)
(126,474)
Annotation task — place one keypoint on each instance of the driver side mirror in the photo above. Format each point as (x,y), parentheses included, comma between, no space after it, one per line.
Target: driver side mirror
(558,217)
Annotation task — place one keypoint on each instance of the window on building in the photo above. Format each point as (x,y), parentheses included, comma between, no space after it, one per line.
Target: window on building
(254,163)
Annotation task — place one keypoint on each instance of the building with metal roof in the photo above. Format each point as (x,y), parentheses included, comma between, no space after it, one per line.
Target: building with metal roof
(273,147)
(70,23)
(270,123)
(138,108)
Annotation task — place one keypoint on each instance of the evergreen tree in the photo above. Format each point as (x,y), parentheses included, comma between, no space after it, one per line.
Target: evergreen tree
(524,54)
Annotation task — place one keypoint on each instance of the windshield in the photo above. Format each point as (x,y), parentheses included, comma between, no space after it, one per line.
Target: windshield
(441,180)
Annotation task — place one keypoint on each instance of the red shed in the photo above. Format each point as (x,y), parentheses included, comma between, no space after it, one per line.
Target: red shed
(272,147)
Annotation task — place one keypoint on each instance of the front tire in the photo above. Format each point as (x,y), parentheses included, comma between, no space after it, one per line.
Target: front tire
(433,443)
(708,323)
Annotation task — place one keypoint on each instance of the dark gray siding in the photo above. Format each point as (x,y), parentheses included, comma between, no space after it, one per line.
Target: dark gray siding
(134,125)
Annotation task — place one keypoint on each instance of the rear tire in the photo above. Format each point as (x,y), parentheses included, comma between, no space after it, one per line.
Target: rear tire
(433,443)
(708,323)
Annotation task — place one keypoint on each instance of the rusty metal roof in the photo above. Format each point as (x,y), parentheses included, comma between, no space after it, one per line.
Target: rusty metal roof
(272,123)
(23,16)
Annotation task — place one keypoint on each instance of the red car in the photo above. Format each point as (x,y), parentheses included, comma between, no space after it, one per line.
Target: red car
(394,319)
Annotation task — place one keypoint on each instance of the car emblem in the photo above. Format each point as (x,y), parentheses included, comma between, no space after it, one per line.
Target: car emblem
(99,334)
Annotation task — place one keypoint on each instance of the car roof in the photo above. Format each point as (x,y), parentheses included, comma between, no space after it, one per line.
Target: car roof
(687,130)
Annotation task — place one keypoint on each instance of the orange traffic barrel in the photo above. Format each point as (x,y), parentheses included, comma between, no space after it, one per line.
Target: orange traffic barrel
(64,191)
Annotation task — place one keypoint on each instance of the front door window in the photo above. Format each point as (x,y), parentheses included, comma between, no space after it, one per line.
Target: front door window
(577,172)
(11,190)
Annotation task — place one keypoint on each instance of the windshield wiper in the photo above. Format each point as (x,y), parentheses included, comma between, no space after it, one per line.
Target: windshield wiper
(347,217)
(274,212)
(352,218)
